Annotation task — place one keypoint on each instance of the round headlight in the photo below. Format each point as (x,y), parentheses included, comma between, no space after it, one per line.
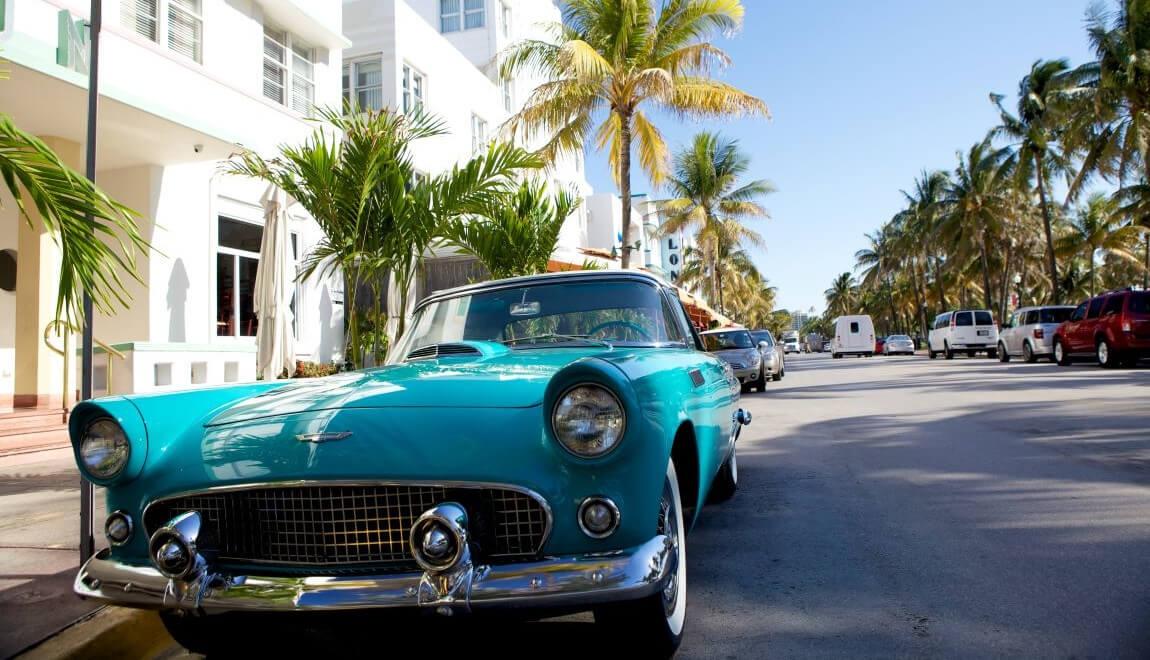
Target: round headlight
(588,421)
(104,449)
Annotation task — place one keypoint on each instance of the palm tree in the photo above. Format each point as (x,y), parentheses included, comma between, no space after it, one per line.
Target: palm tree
(977,201)
(1035,128)
(97,237)
(1098,229)
(617,58)
(377,215)
(710,198)
(517,237)
(1114,116)
(878,265)
(842,297)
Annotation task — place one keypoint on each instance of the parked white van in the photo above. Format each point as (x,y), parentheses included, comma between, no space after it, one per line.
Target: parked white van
(854,335)
(967,331)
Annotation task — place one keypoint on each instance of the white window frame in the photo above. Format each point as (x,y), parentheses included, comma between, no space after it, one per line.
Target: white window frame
(460,15)
(478,133)
(289,44)
(505,19)
(412,101)
(236,254)
(351,90)
(127,13)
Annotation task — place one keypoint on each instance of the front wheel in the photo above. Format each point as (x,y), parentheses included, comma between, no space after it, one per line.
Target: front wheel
(761,383)
(779,376)
(658,619)
(1061,356)
(1003,356)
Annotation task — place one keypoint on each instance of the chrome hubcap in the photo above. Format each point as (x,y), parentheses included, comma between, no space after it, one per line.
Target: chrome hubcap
(1103,353)
(1058,352)
(669,525)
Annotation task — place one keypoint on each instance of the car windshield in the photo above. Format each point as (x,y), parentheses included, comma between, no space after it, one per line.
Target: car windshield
(725,341)
(898,338)
(763,336)
(1054,314)
(546,314)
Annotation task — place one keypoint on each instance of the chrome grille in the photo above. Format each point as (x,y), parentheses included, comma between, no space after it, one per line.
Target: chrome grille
(350,525)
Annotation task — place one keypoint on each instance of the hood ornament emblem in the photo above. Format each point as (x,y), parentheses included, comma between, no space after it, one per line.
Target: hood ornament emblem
(323,437)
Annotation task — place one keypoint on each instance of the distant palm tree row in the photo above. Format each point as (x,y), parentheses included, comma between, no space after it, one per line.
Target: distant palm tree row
(1014,222)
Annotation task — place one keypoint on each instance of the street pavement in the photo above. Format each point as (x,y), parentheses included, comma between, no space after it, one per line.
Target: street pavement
(888,507)
(39,546)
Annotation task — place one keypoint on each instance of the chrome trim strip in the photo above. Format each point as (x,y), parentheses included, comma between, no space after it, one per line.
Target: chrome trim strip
(303,483)
(579,580)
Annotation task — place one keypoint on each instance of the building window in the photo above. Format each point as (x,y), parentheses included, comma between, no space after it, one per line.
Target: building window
(478,134)
(505,19)
(178,23)
(237,259)
(461,14)
(363,84)
(508,95)
(414,85)
(289,71)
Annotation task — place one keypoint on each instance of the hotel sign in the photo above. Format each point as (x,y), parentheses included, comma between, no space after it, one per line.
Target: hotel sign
(672,257)
(72,41)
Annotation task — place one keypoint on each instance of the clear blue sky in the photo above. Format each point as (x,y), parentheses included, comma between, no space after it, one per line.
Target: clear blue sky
(865,95)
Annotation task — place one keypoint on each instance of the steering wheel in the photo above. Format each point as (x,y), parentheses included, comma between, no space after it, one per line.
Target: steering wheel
(634,327)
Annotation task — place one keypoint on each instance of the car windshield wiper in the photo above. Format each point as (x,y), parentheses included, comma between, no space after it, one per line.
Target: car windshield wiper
(557,337)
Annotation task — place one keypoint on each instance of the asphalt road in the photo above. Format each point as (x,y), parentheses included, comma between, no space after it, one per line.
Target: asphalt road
(888,507)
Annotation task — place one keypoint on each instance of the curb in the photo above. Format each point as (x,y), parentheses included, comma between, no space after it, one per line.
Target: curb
(109,632)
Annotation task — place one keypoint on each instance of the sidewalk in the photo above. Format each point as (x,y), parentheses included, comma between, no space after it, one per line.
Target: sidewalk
(39,545)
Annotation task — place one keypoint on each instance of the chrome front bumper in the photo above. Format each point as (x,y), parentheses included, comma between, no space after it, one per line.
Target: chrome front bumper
(553,582)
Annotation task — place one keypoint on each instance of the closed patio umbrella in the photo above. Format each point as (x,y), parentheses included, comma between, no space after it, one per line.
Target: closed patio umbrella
(275,282)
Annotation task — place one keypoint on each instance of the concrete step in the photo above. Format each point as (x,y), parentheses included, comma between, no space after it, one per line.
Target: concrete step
(34,441)
(32,420)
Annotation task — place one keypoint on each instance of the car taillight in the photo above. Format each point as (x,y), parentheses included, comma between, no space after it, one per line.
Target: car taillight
(953,321)
(1126,326)
(1039,333)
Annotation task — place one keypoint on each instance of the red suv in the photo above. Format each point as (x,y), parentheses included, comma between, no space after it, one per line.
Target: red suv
(1113,327)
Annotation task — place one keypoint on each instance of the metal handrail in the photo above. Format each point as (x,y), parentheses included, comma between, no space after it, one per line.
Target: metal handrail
(53,327)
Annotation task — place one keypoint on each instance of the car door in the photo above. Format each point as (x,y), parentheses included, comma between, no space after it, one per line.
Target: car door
(964,332)
(1084,334)
(1012,336)
(1072,327)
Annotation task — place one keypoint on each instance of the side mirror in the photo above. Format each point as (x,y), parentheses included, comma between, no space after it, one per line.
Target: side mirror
(763,346)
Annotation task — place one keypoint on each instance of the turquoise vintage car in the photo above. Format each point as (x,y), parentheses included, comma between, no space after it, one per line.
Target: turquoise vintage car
(540,442)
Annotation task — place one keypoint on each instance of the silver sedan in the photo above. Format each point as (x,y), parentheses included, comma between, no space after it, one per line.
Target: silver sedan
(898,345)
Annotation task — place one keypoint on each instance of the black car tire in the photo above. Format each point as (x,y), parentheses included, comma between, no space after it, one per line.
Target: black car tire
(932,354)
(1107,357)
(1061,355)
(1028,353)
(779,376)
(761,383)
(648,619)
(726,481)
(1003,354)
(946,351)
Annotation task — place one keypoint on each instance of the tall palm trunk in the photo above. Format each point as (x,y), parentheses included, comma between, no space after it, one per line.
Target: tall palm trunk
(1047,227)
(986,292)
(918,302)
(890,299)
(940,285)
(625,184)
(1005,290)
(1146,271)
(719,281)
(1093,282)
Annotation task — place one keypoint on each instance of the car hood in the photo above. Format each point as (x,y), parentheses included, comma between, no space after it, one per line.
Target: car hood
(512,379)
